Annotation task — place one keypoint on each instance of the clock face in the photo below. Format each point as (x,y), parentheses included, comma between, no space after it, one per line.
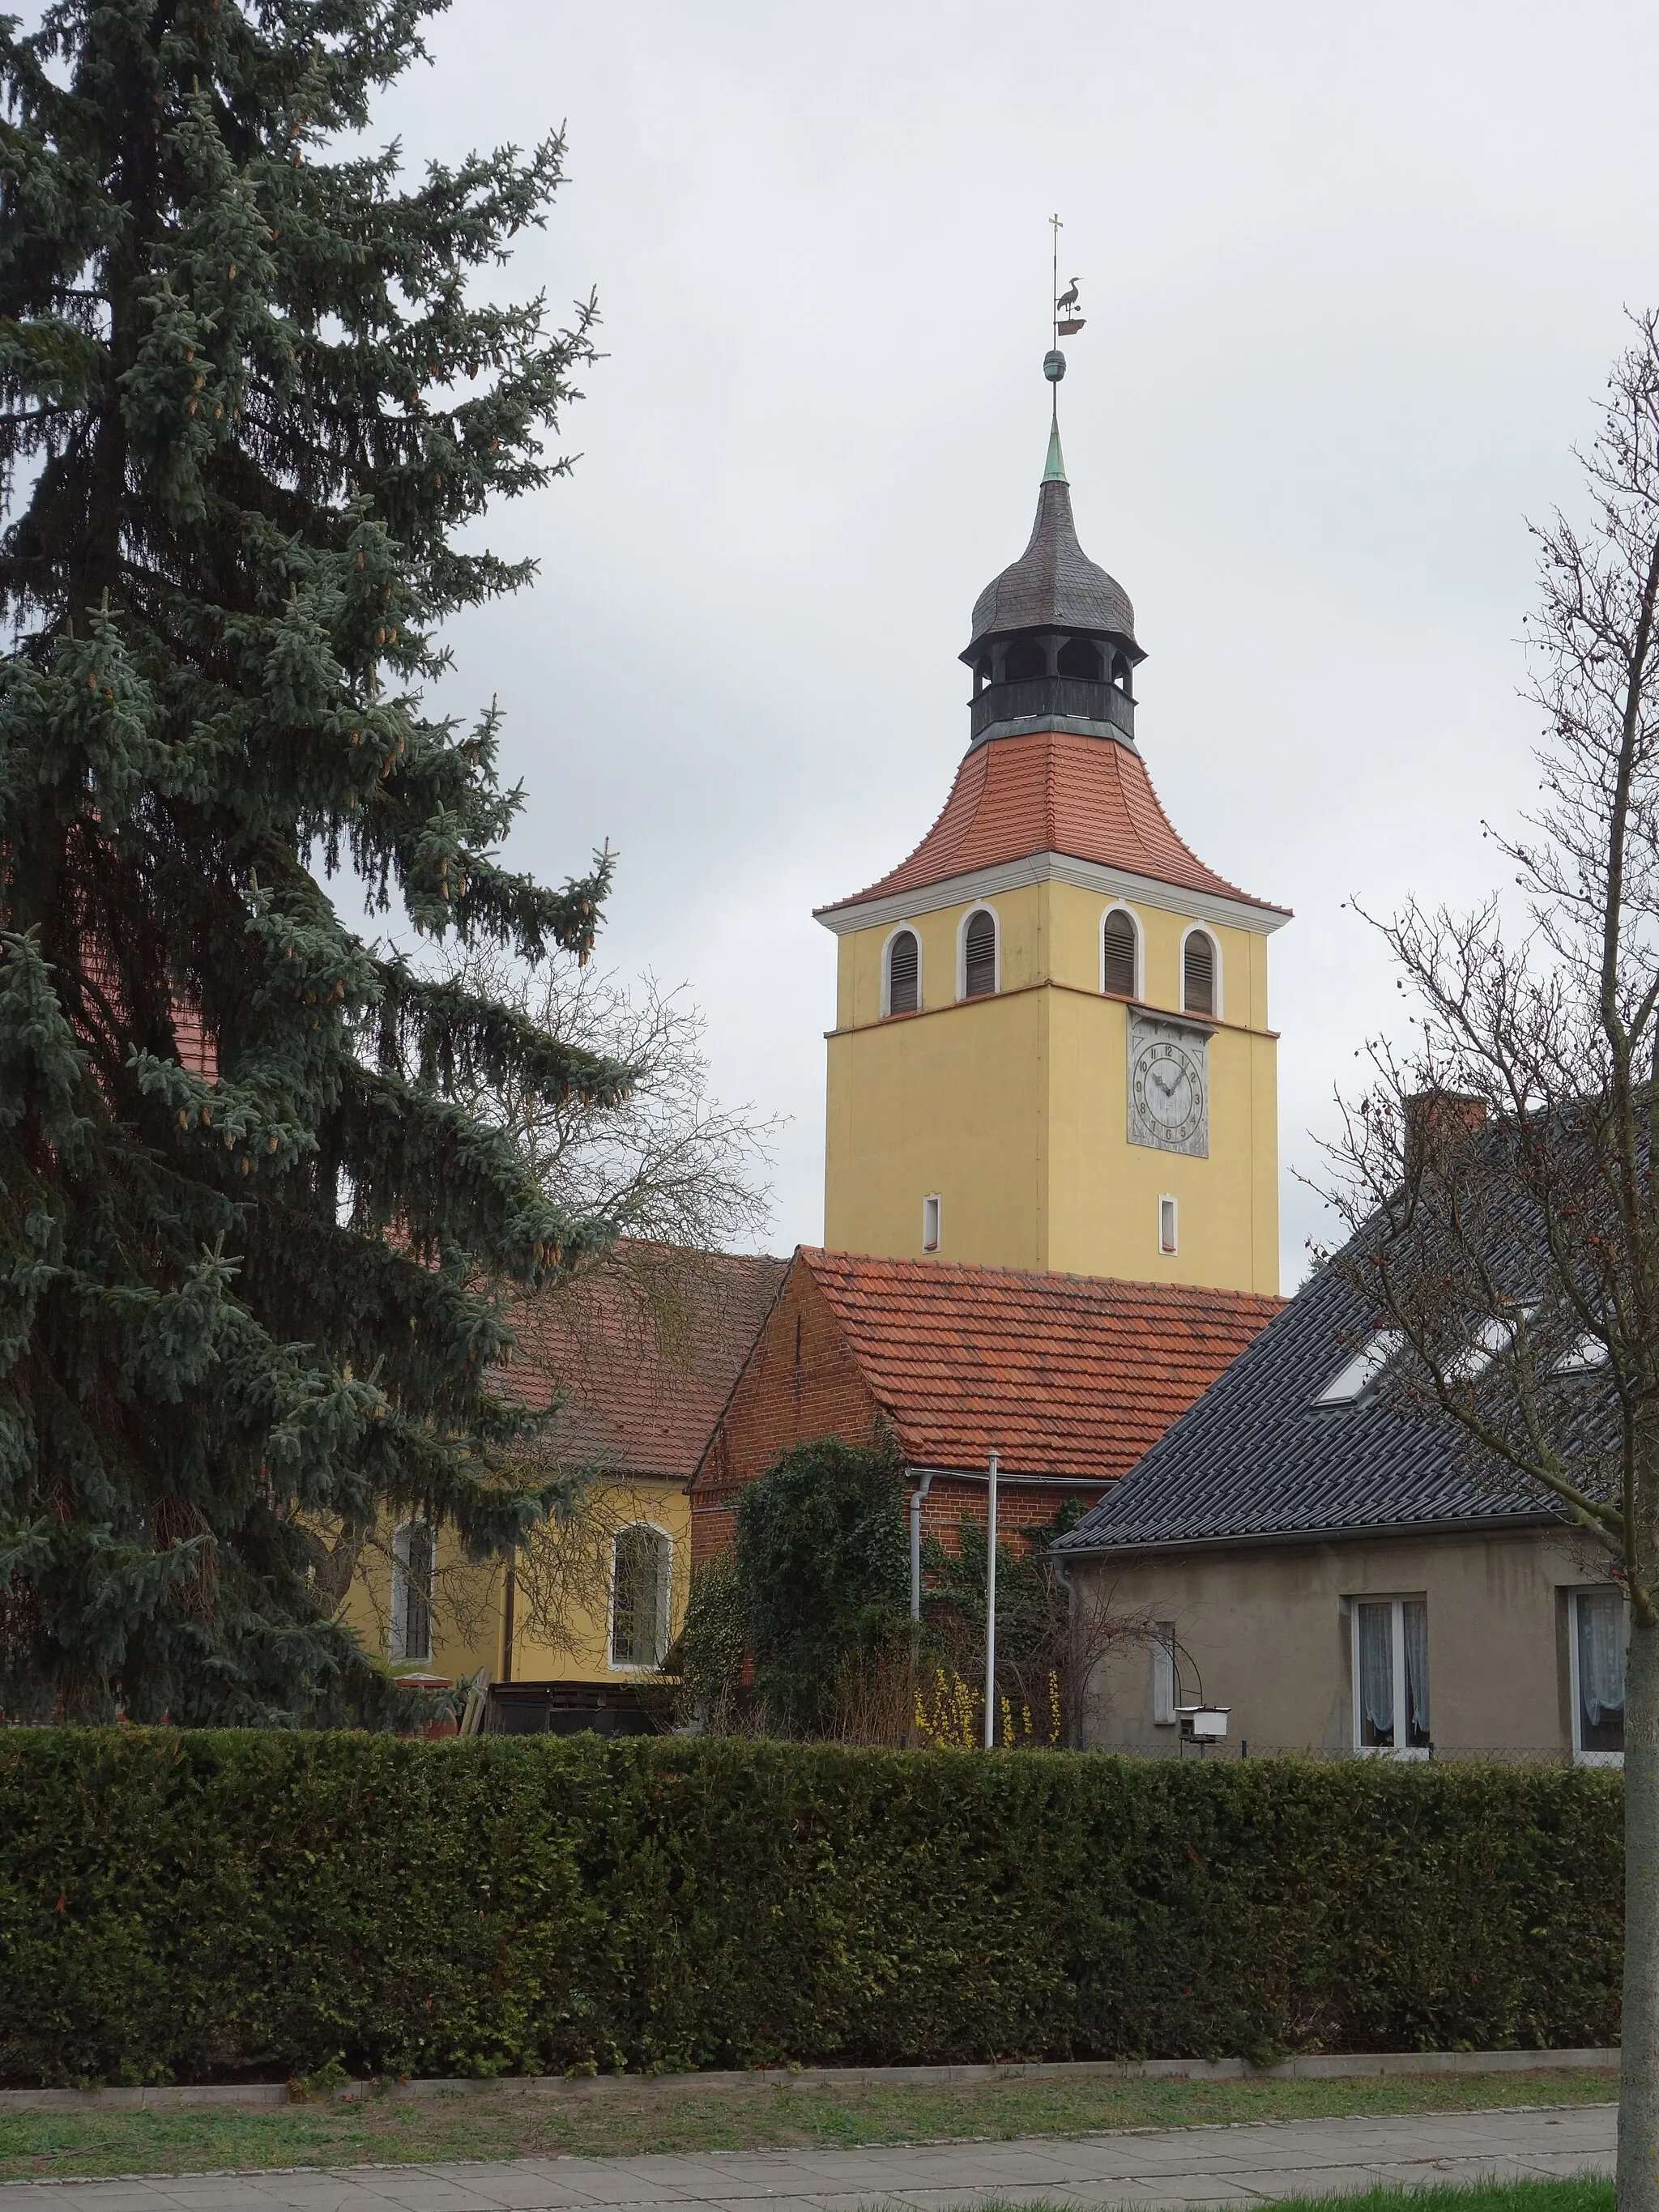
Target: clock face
(1169,1088)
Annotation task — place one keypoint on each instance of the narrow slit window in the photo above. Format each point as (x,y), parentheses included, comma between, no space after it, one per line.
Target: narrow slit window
(1118,955)
(1198,974)
(903,973)
(1163,1673)
(930,1222)
(1166,1225)
(979,956)
(411,1591)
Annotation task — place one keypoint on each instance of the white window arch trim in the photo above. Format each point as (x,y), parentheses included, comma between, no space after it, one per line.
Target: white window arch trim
(665,1601)
(399,1640)
(1118,906)
(980,906)
(900,929)
(1199,929)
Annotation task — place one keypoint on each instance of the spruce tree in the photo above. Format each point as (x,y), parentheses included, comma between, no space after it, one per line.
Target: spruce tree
(252,401)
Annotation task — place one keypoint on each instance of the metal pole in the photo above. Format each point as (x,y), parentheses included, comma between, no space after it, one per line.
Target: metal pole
(916,1497)
(991,1613)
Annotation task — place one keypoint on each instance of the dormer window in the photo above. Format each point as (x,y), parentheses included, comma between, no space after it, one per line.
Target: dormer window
(1199,974)
(1118,949)
(903,979)
(979,954)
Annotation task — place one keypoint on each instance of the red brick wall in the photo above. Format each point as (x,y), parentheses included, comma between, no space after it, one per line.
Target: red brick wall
(801,1382)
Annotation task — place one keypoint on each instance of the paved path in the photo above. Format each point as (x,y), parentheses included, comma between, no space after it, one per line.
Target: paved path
(1178,2166)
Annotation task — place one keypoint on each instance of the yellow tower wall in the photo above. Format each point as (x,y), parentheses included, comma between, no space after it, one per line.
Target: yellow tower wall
(1013,1107)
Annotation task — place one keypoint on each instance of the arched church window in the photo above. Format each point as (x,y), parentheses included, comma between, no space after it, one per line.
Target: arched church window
(903,972)
(1117,953)
(979,954)
(1026,659)
(640,1558)
(1198,972)
(411,1591)
(1080,656)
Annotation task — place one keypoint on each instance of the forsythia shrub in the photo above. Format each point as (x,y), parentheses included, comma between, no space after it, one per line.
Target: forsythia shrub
(176,1905)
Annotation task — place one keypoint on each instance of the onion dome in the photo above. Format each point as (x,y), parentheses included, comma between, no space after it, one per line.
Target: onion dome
(1054,645)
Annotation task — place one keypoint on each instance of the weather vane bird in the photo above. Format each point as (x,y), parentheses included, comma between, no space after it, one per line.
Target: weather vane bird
(1067,321)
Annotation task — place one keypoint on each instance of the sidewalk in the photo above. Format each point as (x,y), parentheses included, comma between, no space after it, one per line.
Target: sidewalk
(1180,2165)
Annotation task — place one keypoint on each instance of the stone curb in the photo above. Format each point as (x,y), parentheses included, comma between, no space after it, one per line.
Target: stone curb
(1319,2066)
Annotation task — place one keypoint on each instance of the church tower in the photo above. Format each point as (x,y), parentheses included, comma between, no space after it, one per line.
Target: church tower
(1051,1045)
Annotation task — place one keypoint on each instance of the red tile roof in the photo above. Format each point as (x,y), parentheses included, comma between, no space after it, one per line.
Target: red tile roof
(1052,792)
(646,1348)
(1073,1375)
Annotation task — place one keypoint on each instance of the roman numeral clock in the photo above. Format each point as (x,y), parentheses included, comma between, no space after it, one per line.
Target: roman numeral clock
(1169,1085)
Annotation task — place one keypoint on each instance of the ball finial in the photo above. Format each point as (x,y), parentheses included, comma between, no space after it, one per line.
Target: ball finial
(1053,365)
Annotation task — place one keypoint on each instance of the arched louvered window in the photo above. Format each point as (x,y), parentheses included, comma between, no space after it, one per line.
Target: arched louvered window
(979,954)
(1118,954)
(903,973)
(1198,975)
(411,1591)
(639,1595)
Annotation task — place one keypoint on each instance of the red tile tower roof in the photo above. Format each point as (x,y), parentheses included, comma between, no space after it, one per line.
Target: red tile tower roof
(1050,791)
(1061,1375)
(646,1348)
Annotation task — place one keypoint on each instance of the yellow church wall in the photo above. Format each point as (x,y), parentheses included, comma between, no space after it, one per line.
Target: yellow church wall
(937,1102)
(1014,1108)
(470,1600)
(584,1654)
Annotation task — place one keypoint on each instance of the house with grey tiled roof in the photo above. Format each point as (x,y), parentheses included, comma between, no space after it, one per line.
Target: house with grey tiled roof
(1322,1567)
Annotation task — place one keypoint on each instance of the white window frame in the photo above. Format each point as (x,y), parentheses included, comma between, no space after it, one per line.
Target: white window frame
(1117,906)
(1165,1684)
(933,1215)
(395,1639)
(1398,1600)
(1198,929)
(1361,1369)
(664,1605)
(982,906)
(903,928)
(1169,1251)
(1580,1756)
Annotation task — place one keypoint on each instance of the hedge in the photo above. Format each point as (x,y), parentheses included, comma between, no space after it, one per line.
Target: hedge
(198,1906)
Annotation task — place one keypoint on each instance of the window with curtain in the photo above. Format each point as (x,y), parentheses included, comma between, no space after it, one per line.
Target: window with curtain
(1391,1675)
(639,1597)
(1198,966)
(1117,967)
(979,956)
(1598,1654)
(903,973)
(411,1591)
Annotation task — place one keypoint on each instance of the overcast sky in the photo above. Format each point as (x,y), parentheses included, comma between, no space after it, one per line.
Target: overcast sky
(1354,279)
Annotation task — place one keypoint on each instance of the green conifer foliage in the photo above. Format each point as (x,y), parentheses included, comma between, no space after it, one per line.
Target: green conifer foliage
(249,402)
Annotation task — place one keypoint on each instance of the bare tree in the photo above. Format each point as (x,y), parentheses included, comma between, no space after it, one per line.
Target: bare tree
(680,1176)
(1500,1169)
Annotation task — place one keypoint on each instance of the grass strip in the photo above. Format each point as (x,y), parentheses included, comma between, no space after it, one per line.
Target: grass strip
(1579,2192)
(769,2115)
